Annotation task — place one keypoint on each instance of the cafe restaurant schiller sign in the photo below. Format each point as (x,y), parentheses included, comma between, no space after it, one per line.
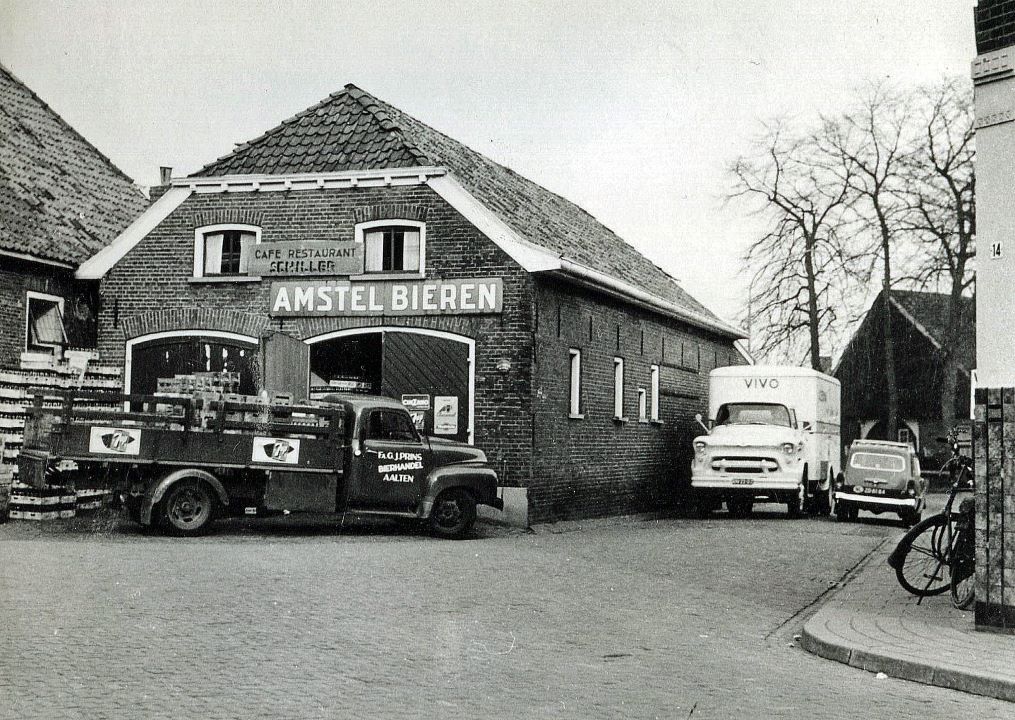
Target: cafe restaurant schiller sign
(306,258)
(386,297)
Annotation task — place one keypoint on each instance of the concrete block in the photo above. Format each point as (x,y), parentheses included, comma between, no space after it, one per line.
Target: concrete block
(516,507)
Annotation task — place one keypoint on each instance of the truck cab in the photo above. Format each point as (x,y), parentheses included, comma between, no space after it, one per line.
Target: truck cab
(772,436)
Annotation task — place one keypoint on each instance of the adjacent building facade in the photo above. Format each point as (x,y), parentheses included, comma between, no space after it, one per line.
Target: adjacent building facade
(500,313)
(61,200)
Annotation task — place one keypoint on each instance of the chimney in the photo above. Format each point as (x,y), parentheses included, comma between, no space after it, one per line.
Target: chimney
(165,175)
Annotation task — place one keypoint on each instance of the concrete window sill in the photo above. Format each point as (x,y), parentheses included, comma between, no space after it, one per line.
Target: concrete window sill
(657,422)
(621,420)
(225,279)
(576,416)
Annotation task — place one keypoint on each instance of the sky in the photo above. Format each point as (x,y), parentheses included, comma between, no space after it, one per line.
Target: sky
(633,109)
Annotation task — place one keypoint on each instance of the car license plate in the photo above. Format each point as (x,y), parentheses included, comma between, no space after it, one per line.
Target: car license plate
(743,481)
(870,491)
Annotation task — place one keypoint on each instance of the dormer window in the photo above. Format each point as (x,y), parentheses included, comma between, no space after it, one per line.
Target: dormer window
(392,246)
(223,250)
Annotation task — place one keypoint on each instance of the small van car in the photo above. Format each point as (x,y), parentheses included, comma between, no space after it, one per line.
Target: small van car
(880,476)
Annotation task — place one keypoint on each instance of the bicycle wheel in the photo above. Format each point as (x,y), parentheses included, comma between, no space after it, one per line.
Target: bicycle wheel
(922,561)
(963,577)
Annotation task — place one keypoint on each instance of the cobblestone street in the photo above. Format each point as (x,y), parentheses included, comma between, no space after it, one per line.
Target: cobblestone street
(640,619)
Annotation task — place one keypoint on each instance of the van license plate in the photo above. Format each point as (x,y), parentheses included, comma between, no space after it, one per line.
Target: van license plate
(743,481)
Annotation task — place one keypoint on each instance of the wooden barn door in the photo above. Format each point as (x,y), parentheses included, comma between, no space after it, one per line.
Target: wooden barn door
(415,364)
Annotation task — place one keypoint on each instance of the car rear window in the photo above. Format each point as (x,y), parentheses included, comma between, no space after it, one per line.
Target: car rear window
(877,461)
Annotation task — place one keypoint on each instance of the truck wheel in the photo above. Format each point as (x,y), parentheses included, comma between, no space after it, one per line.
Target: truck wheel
(188,508)
(823,499)
(740,507)
(453,513)
(797,505)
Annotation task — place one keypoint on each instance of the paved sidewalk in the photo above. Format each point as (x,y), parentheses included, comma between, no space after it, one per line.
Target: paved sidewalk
(873,624)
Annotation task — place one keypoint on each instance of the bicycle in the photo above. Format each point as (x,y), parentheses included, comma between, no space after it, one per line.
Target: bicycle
(924,556)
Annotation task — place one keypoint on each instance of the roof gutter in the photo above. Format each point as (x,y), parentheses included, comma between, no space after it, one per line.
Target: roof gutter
(596,280)
(37,259)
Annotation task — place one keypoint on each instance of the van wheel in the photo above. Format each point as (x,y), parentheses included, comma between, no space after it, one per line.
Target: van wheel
(453,513)
(188,508)
(797,505)
(740,507)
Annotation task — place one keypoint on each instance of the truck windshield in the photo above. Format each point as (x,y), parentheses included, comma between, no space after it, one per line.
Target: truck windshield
(753,414)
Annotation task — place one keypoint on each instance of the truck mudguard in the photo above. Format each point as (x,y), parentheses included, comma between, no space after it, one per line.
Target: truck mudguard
(158,490)
(480,481)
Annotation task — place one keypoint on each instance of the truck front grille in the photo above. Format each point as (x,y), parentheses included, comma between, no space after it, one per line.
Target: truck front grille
(755,465)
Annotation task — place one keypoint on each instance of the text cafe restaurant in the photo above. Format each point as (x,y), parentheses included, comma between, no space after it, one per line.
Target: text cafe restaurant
(412,266)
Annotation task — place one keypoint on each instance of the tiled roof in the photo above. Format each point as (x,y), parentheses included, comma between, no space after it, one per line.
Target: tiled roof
(352,130)
(60,198)
(930,310)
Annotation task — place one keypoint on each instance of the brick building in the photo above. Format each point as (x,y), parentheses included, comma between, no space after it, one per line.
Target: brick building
(61,200)
(413,266)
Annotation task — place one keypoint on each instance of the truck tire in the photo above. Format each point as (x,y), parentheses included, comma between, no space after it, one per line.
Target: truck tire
(453,513)
(740,507)
(823,498)
(188,508)
(797,505)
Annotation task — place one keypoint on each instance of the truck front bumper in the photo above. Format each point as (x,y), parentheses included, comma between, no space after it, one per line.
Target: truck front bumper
(742,484)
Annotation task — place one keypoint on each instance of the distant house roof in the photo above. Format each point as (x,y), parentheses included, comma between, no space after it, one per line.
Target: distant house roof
(927,312)
(61,200)
(353,130)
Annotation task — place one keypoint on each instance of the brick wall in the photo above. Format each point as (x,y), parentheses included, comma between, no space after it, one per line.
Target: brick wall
(995,24)
(150,291)
(16,278)
(597,465)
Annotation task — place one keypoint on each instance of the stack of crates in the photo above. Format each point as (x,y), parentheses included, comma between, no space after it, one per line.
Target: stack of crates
(91,499)
(48,503)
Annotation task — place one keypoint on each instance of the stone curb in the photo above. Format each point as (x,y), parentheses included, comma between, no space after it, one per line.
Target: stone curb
(817,641)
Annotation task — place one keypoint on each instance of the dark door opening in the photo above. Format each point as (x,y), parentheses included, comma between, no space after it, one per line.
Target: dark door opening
(430,374)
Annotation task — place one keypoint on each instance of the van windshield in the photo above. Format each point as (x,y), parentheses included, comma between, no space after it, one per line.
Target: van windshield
(753,414)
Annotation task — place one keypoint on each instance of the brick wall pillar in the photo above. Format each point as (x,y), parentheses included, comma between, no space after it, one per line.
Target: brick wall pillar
(994,454)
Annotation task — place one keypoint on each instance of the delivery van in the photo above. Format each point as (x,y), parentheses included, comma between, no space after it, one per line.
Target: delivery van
(772,436)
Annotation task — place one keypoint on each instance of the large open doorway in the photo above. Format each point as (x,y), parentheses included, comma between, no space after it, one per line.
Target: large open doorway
(164,355)
(430,371)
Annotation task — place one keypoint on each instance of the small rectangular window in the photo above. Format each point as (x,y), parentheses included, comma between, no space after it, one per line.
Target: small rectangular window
(618,387)
(642,413)
(44,328)
(654,386)
(576,382)
(227,252)
(392,249)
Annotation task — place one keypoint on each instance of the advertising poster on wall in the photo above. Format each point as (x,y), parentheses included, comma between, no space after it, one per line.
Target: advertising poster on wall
(445,417)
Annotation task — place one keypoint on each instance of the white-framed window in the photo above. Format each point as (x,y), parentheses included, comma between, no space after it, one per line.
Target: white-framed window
(904,436)
(642,410)
(393,247)
(618,388)
(44,328)
(654,388)
(576,383)
(224,250)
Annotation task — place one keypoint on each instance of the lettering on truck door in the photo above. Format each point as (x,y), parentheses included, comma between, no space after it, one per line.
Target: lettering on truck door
(392,467)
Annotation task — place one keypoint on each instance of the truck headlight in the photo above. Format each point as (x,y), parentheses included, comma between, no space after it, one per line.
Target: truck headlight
(699,447)
(789,448)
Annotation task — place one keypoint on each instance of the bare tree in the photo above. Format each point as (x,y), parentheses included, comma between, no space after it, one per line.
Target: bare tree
(941,187)
(792,264)
(871,144)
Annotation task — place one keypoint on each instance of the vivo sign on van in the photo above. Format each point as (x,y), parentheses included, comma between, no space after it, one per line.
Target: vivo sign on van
(762,383)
